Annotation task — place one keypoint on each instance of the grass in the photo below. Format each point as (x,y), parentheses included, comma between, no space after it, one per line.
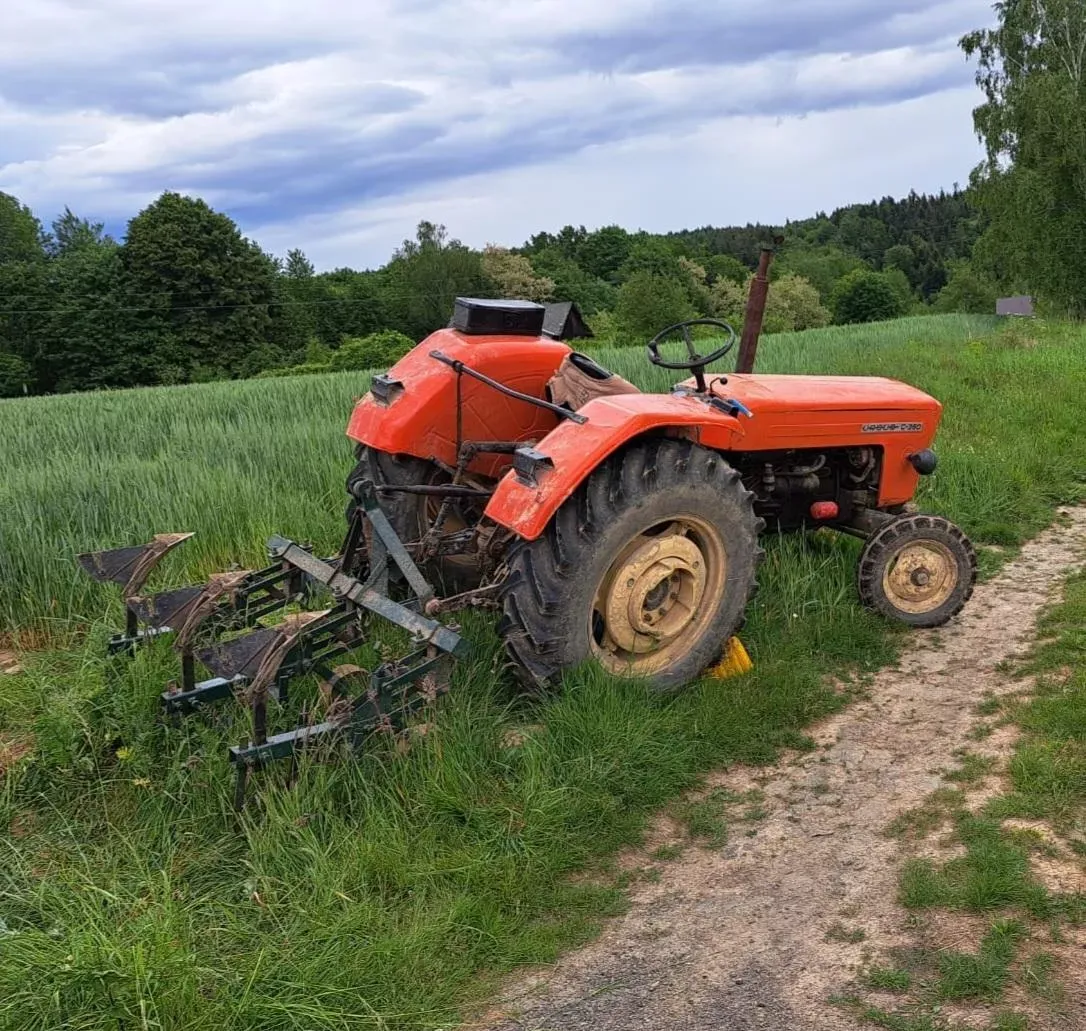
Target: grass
(705,818)
(952,976)
(888,979)
(993,874)
(982,976)
(1047,783)
(239,461)
(390,891)
(972,770)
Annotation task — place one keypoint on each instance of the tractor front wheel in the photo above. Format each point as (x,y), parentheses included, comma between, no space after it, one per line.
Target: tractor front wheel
(646,569)
(918,569)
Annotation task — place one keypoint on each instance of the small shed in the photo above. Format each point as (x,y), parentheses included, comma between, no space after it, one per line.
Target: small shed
(1021,307)
(564,321)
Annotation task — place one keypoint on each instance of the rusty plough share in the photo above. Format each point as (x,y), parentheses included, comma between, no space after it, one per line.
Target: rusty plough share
(256,666)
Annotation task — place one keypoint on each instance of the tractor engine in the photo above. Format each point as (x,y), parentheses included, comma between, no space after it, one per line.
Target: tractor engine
(787,485)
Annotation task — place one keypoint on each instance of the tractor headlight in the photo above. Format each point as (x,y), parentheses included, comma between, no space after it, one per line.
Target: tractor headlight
(924,462)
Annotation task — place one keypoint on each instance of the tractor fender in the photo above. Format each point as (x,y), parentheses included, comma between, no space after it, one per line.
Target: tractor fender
(416,412)
(564,459)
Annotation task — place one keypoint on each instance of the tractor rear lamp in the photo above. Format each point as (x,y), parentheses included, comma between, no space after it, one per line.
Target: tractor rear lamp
(924,462)
(385,389)
(823,510)
(529,465)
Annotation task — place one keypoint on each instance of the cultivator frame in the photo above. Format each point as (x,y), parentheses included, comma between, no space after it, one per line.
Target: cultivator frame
(258,665)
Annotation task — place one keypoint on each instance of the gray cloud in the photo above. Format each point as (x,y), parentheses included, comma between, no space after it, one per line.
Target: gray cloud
(314,171)
(279,114)
(167,80)
(684,33)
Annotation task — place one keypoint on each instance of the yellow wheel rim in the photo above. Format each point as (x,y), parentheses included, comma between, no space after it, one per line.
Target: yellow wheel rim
(658,596)
(921,577)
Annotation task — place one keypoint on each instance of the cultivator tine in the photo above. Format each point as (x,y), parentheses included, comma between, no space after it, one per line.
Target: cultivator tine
(221,586)
(263,662)
(258,665)
(230,601)
(388,698)
(170,608)
(393,691)
(131,566)
(230,659)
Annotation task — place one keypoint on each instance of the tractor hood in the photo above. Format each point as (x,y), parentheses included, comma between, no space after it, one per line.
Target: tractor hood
(767,394)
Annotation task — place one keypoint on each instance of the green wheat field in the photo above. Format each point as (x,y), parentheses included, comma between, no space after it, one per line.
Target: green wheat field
(393,890)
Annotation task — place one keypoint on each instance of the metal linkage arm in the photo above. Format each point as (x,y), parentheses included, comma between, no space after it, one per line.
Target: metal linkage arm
(355,591)
(460,368)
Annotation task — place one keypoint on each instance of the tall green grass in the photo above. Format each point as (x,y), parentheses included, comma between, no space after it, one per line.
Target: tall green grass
(389,890)
(239,461)
(234,461)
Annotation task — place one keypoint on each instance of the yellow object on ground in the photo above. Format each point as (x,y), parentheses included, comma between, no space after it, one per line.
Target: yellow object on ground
(735,663)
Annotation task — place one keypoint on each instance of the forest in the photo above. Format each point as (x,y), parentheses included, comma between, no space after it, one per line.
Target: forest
(185,297)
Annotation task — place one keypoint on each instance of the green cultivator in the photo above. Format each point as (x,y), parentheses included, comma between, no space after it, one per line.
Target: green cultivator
(259,662)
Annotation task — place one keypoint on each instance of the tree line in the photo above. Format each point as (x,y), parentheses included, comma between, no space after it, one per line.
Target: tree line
(185,297)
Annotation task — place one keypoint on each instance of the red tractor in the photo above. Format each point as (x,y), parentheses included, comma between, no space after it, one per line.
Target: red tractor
(624,527)
(497,466)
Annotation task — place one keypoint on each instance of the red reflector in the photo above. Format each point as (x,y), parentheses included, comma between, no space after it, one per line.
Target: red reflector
(825,510)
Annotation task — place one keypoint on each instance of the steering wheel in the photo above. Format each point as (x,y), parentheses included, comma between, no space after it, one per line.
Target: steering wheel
(696,363)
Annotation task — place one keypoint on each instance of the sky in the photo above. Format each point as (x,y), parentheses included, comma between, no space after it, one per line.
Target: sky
(337,125)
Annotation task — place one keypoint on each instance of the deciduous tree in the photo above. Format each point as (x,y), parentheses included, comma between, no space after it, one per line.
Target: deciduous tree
(1032,181)
(21,236)
(72,233)
(425,277)
(203,289)
(967,290)
(866,296)
(513,276)
(90,339)
(648,304)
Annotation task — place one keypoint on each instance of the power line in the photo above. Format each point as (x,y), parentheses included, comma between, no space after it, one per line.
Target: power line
(224,307)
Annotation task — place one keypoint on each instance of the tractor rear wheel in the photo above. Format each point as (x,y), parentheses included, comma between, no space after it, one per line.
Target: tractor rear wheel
(412,515)
(646,569)
(918,569)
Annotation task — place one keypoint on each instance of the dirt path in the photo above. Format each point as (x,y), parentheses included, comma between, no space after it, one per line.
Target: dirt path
(736,939)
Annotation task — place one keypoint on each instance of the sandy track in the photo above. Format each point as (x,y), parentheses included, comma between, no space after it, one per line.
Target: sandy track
(736,939)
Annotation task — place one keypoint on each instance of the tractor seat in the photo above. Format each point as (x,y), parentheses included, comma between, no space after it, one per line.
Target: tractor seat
(579,379)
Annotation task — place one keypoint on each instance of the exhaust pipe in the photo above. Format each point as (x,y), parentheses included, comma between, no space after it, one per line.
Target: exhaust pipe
(752,325)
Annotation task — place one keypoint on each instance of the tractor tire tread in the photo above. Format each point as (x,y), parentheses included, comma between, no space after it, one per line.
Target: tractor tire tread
(535,625)
(884,542)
